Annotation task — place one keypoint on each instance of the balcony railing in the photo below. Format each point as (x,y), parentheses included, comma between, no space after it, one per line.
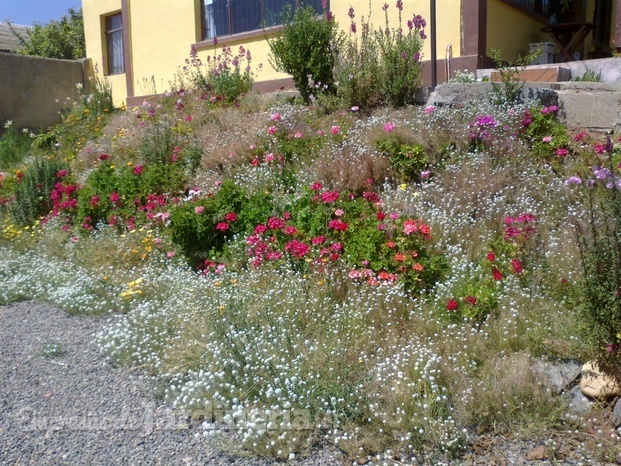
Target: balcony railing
(541,10)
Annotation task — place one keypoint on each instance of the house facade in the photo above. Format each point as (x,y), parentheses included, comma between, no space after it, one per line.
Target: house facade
(140,45)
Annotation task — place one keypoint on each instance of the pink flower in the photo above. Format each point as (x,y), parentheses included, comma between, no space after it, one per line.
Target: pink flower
(561,152)
(389,127)
(138,169)
(275,117)
(95,200)
(497,274)
(316,187)
(103,157)
(61,173)
(339,212)
(188,118)
(394,215)
(199,209)
(230,217)
(297,248)
(335,130)
(409,227)
(222,226)
(269,158)
(260,229)
(272,130)
(254,162)
(329,197)
(298,135)
(274,255)
(318,240)
(355,108)
(170,254)
(290,230)
(320,132)
(491,256)
(517,265)
(275,223)
(430,109)
(115,199)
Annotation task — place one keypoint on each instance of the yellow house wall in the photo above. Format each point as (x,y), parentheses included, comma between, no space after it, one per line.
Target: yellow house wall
(512,31)
(162,32)
(93,10)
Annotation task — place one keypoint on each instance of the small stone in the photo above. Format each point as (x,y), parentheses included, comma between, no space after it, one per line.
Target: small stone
(616,413)
(578,403)
(595,384)
(538,453)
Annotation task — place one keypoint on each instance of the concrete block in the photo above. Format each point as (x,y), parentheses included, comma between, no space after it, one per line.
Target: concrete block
(539,75)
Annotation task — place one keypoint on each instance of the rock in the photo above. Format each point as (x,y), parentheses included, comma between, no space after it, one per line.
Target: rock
(616,413)
(595,384)
(538,453)
(557,376)
(578,403)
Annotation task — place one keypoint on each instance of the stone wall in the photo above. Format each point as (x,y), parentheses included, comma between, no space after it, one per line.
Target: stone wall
(33,91)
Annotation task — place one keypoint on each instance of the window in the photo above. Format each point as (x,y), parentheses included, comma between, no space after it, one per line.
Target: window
(224,17)
(114,44)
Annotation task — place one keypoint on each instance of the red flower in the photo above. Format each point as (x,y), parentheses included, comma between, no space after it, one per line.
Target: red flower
(222,226)
(472,300)
(297,248)
(452,305)
(491,256)
(103,157)
(338,225)
(61,173)
(381,216)
(230,217)
(497,274)
(517,265)
(138,169)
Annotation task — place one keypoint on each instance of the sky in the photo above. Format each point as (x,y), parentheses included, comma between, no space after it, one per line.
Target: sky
(28,12)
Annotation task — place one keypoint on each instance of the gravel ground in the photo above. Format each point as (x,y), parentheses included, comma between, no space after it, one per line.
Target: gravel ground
(62,403)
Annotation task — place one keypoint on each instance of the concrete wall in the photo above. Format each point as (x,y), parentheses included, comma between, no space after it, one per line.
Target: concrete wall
(34,90)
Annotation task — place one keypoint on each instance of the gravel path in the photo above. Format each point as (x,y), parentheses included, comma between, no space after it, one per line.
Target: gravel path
(74,408)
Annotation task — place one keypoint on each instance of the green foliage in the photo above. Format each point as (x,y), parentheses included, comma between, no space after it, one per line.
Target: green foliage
(589,76)
(509,90)
(547,137)
(14,146)
(225,75)
(33,189)
(304,48)
(57,39)
(407,160)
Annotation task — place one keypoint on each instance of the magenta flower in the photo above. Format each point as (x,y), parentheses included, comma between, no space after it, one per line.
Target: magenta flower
(275,223)
(335,130)
(389,127)
(452,305)
(272,130)
(338,225)
(230,217)
(138,169)
(222,226)
(297,248)
(275,117)
(329,197)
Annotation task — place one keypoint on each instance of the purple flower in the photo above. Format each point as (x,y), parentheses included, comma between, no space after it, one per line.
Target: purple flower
(353,27)
(351,12)
(573,180)
(601,173)
(399,5)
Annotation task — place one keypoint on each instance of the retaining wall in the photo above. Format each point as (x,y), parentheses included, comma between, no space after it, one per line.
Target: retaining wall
(33,90)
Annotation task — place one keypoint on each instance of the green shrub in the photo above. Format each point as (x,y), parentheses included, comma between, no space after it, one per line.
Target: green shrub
(201,228)
(225,74)
(406,160)
(305,50)
(382,66)
(32,191)
(125,192)
(509,90)
(600,251)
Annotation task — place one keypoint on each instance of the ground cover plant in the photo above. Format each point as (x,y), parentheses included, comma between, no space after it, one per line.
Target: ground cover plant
(381,281)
